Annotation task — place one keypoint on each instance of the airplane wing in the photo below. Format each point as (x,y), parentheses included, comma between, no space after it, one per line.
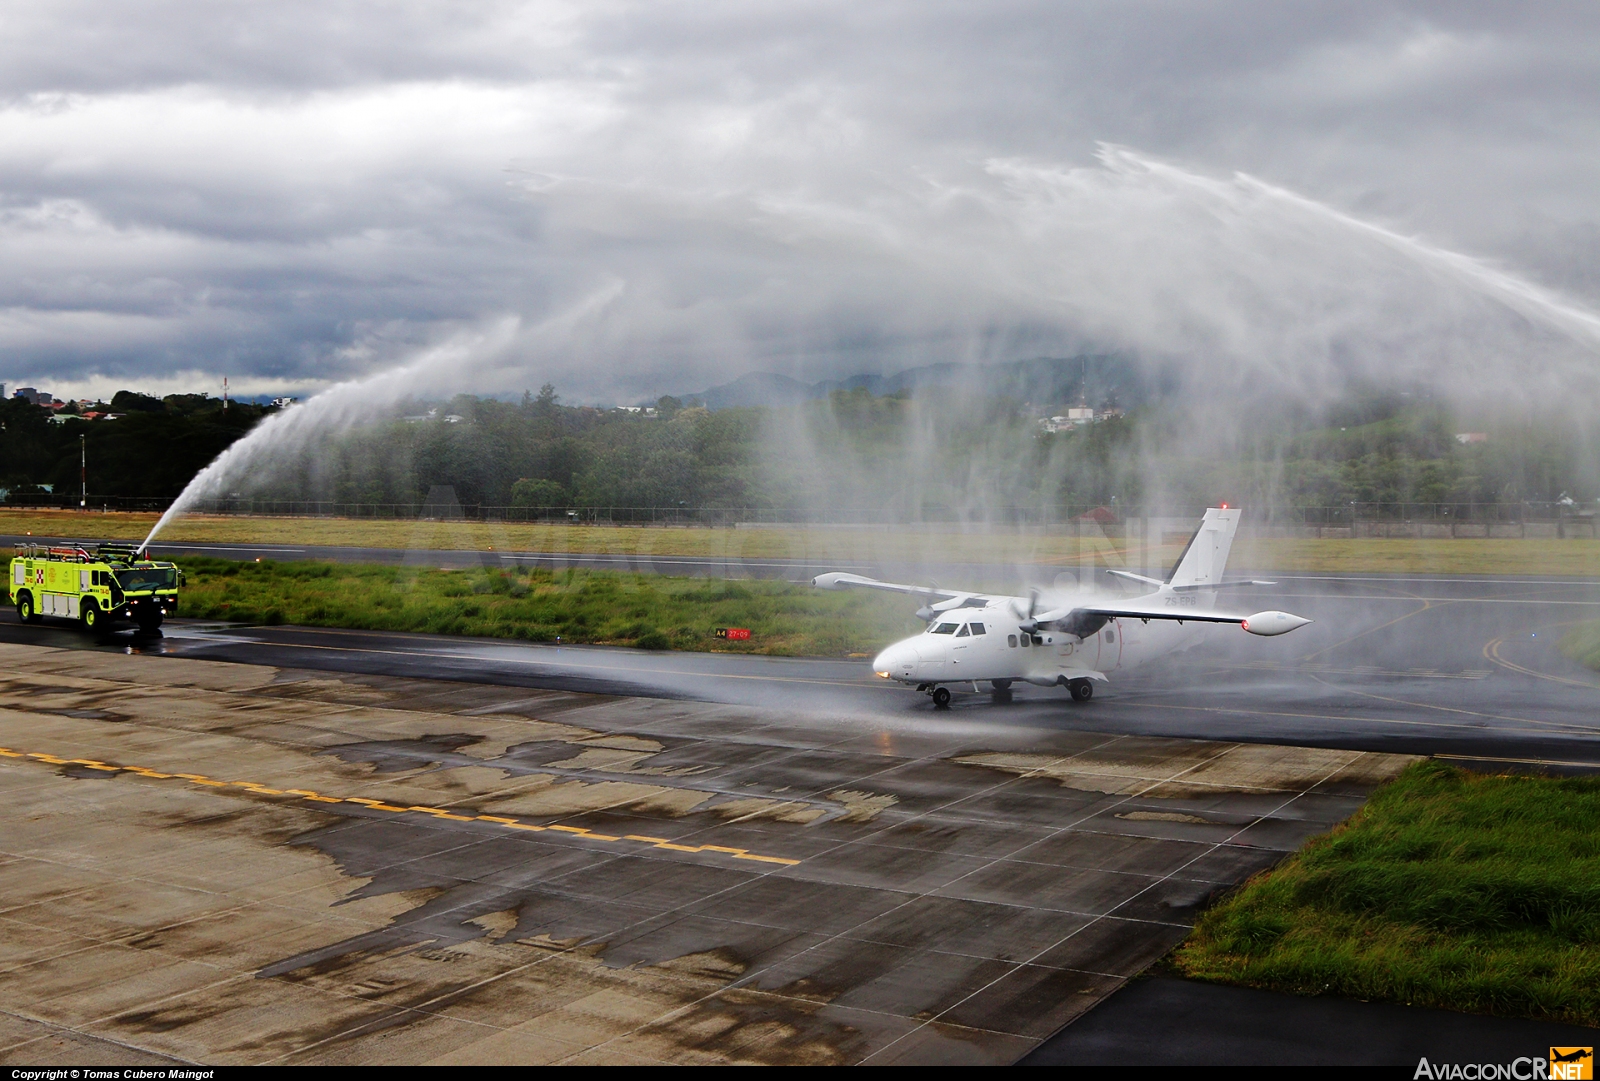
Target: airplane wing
(1084,620)
(945,598)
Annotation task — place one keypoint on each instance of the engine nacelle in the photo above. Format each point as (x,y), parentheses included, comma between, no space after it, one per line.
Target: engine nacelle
(1271,623)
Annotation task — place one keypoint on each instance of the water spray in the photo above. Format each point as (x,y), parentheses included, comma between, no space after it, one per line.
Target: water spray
(340,406)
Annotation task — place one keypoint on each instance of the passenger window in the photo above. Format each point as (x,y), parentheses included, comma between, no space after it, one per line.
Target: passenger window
(963,632)
(1111,636)
(1024,641)
(945,628)
(977,628)
(1011,640)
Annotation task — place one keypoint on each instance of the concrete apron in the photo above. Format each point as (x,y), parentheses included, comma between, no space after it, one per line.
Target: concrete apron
(221,863)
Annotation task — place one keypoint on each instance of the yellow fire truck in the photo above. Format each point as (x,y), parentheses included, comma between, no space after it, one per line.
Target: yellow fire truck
(96,587)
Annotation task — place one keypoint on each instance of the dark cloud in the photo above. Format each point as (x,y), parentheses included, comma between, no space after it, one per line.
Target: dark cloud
(666,194)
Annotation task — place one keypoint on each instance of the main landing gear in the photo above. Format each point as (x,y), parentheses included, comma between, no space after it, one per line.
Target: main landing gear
(1081,689)
(1002,691)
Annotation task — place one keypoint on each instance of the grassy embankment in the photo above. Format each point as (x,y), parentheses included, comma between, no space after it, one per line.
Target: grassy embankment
(647,611)
(1571,556)
(1582,644)
(1449,889)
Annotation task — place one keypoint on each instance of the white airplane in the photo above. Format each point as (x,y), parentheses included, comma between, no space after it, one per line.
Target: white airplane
(1055,638)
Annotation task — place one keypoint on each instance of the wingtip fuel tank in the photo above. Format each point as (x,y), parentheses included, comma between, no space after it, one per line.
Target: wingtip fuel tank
(1268,624)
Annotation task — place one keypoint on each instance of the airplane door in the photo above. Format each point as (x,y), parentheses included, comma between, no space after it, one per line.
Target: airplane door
(1111,646)
(1076,654)
(960,653)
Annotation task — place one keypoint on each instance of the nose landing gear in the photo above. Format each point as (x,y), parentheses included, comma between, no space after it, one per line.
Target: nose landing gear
(941,697)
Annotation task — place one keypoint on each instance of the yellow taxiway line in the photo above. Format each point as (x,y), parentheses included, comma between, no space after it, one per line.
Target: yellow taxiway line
(395,808)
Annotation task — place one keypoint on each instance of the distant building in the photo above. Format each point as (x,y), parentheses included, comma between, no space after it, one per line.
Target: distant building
(27,394)
(1472,437)
(282,403)
(1075,417)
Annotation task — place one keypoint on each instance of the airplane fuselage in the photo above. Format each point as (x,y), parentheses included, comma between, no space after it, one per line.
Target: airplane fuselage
(1067,640)
(987,644)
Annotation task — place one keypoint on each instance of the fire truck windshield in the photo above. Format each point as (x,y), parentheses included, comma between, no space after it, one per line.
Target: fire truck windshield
(139,579)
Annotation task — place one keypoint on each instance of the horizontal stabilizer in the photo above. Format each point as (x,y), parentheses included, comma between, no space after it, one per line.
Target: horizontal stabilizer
(1239,584)
(1130,576)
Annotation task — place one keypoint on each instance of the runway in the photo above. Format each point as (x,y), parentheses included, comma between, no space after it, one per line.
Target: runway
(1454,666)
(287,845)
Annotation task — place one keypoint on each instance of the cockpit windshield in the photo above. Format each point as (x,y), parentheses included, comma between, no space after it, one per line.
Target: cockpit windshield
(944,628)
(142,579)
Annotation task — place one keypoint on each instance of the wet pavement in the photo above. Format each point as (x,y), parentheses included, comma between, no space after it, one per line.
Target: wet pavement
(1462,667)
(222,863)
(233,844)
(1160,1022)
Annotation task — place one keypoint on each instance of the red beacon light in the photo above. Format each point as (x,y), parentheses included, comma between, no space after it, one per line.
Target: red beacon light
(1224,506)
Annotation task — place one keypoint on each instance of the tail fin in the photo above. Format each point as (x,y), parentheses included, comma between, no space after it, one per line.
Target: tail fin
(1207,553)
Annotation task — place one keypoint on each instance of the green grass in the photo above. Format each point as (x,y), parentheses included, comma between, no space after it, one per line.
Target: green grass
(1448,889)
(646,611)
(1582,644)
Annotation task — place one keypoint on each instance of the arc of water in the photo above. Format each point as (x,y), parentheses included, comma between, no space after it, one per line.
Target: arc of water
(343,403)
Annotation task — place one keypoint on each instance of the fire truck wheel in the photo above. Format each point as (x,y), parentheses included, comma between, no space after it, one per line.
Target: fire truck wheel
(25,611)
(91,615)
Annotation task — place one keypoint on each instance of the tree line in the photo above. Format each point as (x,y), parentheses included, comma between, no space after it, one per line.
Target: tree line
(935,453)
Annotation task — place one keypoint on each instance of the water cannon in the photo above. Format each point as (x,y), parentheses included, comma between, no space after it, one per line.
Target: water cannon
(1268,624)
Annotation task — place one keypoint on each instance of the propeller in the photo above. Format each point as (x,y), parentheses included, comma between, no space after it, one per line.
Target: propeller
(1033,606)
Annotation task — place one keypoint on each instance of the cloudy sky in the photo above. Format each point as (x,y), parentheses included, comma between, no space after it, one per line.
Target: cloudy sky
(631,199)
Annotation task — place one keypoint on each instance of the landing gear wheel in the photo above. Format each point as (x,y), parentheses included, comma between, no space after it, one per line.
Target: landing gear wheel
(941,697)
(90,616)
(1002,690)
(1082,690)
(25,610)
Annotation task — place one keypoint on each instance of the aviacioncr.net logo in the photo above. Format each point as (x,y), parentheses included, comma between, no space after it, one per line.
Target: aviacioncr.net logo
(1562,1064)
